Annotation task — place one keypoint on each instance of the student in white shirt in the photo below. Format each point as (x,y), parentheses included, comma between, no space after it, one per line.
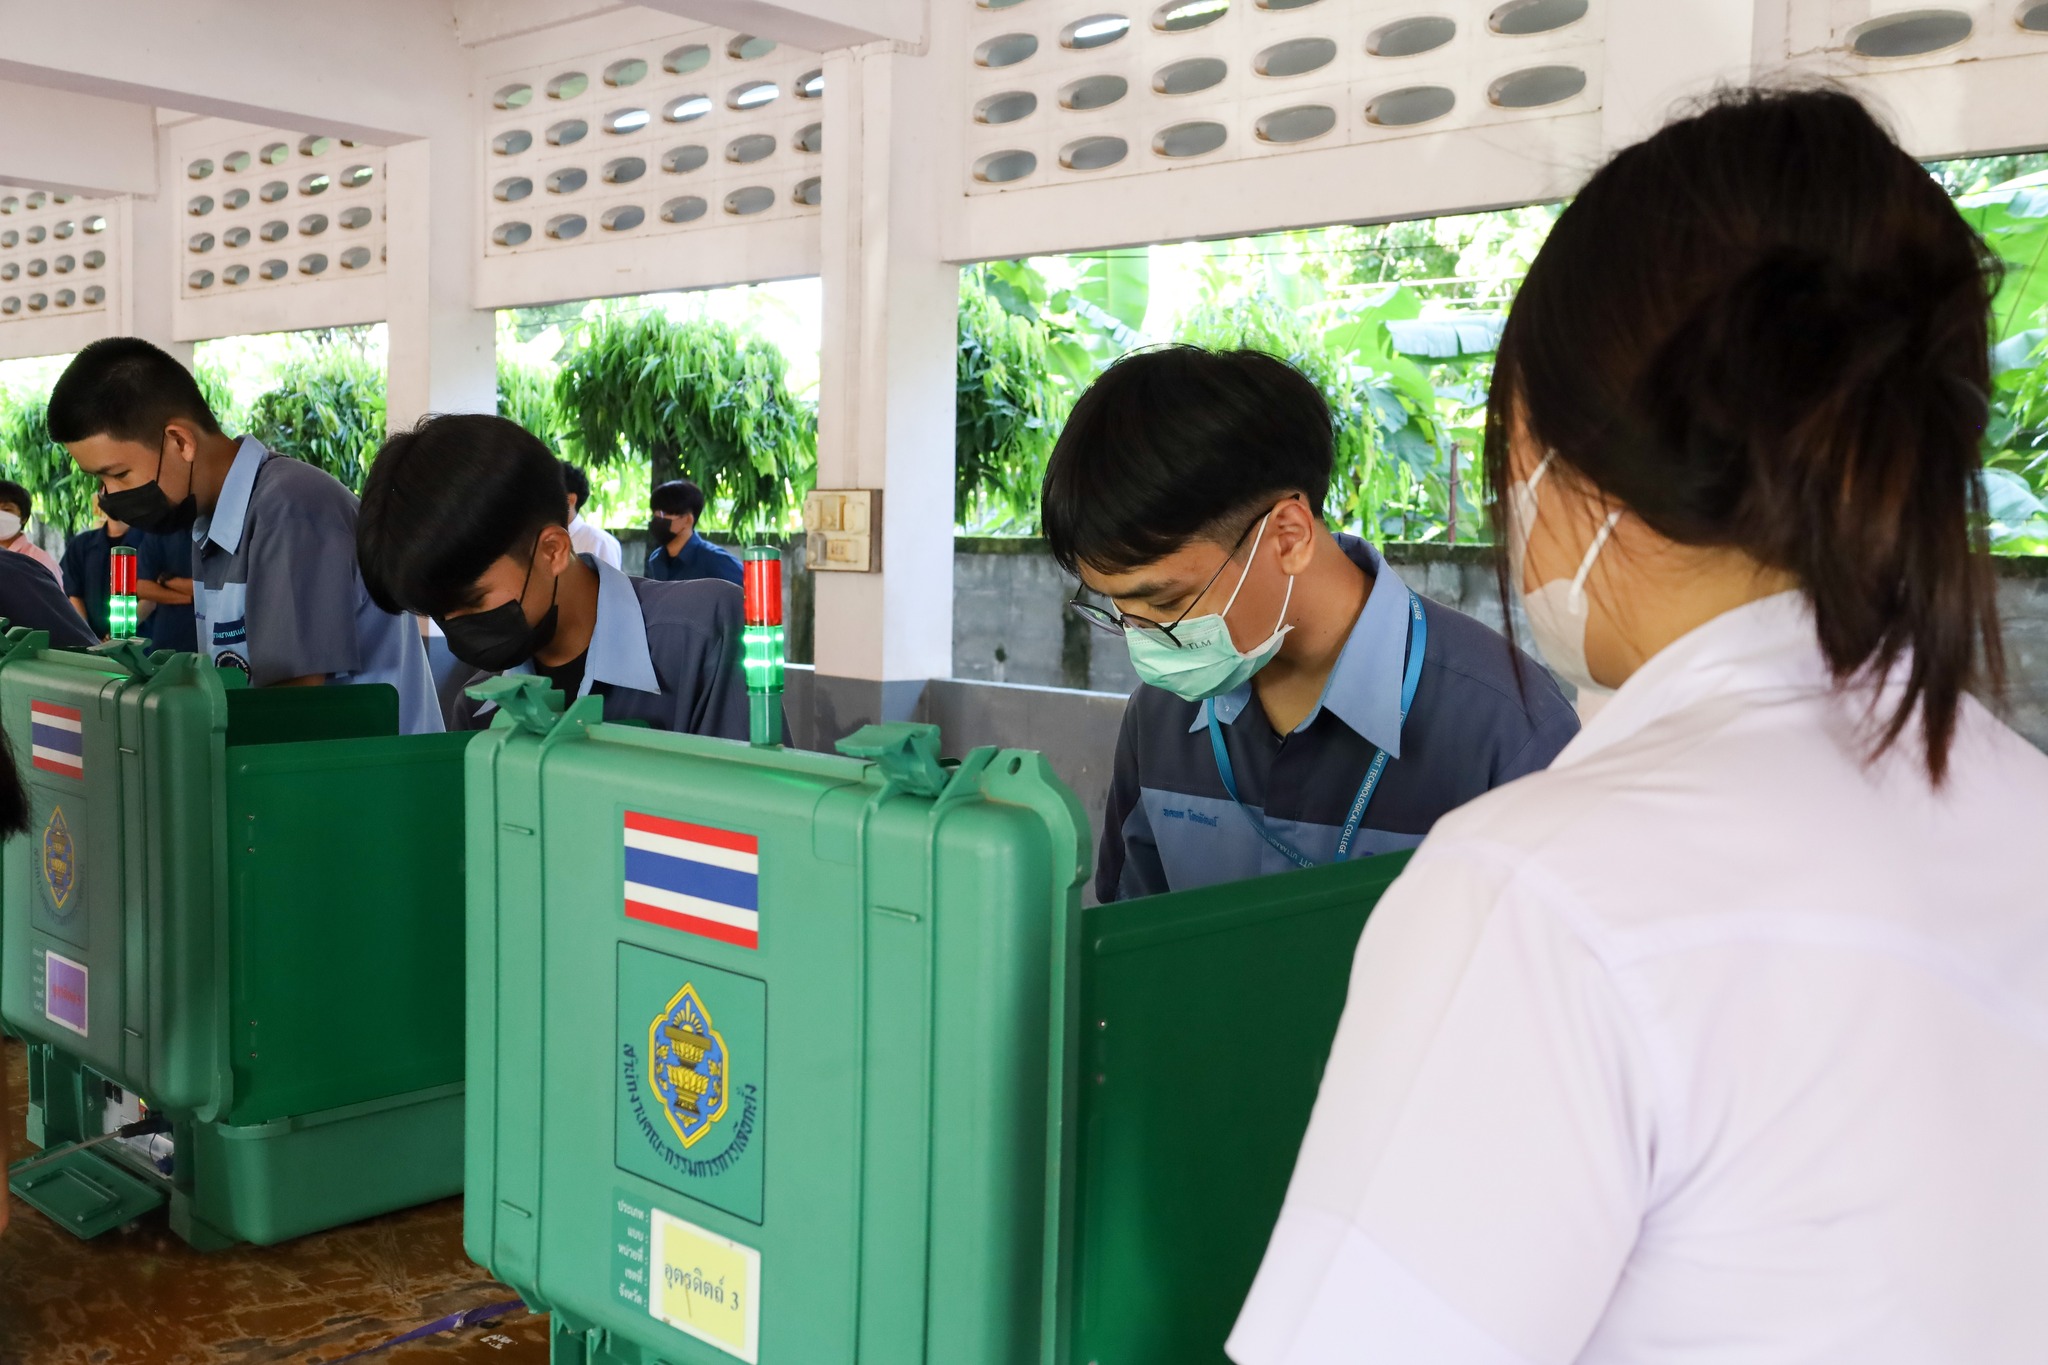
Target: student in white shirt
(1725,1038)
(584,538)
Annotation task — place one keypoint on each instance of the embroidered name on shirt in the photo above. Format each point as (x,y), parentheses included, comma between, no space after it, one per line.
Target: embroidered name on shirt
(1193,816)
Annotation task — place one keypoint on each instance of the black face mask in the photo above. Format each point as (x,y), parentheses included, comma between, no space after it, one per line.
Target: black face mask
(147,508)
(660,530)
(501,637)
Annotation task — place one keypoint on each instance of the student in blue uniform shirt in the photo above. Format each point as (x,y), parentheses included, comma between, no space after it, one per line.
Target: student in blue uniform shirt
(30,597)
(1300,704)
(163,577)
(678,552)
(465,521)
(273,566)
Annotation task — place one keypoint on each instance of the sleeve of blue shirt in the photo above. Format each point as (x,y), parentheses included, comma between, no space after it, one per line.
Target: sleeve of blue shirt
(1127,863)
(73,565)
(164,556)
(1554,728)
(303,590)
(727,566)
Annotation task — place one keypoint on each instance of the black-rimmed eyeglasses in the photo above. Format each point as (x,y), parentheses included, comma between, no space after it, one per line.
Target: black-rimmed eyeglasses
(1115,622)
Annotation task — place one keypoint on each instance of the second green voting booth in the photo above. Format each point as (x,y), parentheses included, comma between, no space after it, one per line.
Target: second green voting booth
(787,1057)
(241,909)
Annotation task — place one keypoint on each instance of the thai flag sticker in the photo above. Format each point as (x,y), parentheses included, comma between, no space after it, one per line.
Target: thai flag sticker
(694,878)
(58,735)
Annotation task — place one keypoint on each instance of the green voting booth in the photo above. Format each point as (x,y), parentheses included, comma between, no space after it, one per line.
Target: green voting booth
(789,1057)
(236,917)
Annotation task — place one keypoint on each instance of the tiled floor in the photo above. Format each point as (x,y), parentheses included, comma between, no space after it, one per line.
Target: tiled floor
(139,1296)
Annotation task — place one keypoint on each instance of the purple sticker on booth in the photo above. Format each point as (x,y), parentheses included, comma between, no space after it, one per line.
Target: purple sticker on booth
(64,992)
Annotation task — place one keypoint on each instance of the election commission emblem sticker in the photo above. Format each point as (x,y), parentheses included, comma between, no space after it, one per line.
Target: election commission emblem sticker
(686,1061)
(60,861)
(692,1079)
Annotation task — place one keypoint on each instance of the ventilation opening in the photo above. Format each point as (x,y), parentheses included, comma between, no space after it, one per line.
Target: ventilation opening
(627,71)
(1191,76)
(686,108)
(683,60)
(1912,34)
(1094,153)
(1184,16)
(810,193)
(512,96)
(512,234)
(1536,87)
(747,48)
(624,218)
(567,227)
(625,120)
(682,160)
(1411,37)
(1097,30)
(625,170)
(1000,168)
(568,85)
(753,95)
(1302,123)
(751,200)
(1007,107)
(1406,108)
(1185,140)
(686,209)
(743,151)
(2034,18)
(1519,18)
(1095,92)
(1296,58)
(1007,50)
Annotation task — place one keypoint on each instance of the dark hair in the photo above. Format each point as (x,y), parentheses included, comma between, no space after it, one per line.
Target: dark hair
(678,498)
(577,484)
(15,495)
(1765,329)
(445,501)
(125,388)
(1178,442)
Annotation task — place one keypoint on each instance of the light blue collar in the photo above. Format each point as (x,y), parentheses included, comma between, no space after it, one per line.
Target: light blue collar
(231,514)
(618,652)
(1364,689)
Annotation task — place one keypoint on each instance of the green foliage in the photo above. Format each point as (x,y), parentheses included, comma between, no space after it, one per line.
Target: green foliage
(696,398)
(526,395)
(2013,218)
(1010,400)
(327,409)
(65,496)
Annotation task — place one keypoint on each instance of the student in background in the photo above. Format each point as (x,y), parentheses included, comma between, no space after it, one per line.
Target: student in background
(163,572)
(273,559)
(676,552)
(15,507)
(588,539)
(86,569)
(465,521)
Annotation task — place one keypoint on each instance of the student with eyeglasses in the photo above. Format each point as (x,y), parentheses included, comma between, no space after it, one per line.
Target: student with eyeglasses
(1299,704)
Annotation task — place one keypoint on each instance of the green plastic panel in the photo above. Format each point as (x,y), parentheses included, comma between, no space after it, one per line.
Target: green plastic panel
(245,908)
(1206,1020)
(830,1114)
(86,1195)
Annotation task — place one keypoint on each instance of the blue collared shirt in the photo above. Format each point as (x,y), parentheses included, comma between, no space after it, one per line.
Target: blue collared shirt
(664,653)
(698,558)
(1171,825)
(278,595)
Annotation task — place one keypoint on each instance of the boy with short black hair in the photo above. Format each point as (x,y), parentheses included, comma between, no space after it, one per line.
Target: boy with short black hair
(465,520)
(273,539)
(1300,704)
(676,552)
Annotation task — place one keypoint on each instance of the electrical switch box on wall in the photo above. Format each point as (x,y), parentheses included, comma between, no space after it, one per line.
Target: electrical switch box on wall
(843,530)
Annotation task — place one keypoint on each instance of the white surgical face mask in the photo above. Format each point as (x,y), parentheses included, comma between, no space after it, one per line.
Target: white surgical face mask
(1559,611)
(10,526)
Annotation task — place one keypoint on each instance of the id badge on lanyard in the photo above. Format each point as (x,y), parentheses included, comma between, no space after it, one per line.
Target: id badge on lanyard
(1418,636)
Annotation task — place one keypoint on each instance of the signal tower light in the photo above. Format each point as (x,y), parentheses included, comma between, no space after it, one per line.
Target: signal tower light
(121,608)
(763,645)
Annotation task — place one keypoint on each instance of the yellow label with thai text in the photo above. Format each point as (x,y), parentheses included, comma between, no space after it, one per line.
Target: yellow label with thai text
(705,1285)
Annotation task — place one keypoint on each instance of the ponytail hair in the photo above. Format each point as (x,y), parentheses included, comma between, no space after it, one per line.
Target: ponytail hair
(1767,329)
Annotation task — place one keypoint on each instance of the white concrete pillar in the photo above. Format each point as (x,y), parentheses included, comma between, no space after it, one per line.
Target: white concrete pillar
(885,414)
(443,355)
(1659,55)
(152,259)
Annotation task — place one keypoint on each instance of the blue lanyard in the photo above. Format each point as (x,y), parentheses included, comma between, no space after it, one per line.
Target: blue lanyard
(1418,636)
